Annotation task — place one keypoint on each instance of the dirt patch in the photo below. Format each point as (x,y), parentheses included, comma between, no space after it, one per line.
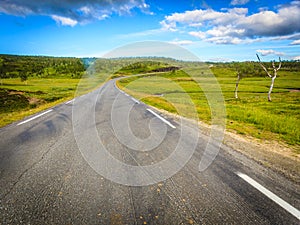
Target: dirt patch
(15,92)
(277,156)
(35,101)
(13,100)
(295,90)
(31,100)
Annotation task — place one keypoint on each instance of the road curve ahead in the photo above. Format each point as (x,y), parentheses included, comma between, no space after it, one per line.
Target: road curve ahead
(51,173)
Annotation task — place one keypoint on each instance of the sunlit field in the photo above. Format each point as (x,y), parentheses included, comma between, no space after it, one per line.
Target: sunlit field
(19,99)
(250,114)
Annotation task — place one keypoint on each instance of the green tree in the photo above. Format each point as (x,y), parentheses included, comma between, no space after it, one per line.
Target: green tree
(24,76)
(2,72)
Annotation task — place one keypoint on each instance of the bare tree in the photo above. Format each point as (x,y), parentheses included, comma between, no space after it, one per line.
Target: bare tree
(239,77)
(244,69)
(272,77)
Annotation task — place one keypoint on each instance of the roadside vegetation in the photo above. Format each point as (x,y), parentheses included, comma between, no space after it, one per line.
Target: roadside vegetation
(30,84)
(249,114)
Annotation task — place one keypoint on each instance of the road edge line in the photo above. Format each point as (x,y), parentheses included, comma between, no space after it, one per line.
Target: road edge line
(161,118)
(35,117)
(291,209)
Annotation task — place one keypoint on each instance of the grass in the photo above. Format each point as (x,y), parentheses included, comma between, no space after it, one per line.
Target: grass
(20,99)
(178,93)
(251,114)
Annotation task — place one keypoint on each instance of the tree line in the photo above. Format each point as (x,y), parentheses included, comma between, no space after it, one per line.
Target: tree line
(13,66)
(251,68)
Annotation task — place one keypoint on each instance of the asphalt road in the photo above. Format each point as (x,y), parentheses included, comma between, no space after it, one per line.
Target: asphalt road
(45,178)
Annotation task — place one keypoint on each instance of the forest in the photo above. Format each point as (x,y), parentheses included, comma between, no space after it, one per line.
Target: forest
(13,66)
(23,67)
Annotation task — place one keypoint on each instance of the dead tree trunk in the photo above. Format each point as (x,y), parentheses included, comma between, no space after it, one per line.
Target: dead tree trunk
(272,77)
(237,85)
(271,88)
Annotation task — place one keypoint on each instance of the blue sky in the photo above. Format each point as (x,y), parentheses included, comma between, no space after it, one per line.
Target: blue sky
(214,30)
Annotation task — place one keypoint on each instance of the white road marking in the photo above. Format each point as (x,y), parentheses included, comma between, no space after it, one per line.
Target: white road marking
(136,101)
(126,94)
(161,118)
(291,209)
(68,102)
(37,116)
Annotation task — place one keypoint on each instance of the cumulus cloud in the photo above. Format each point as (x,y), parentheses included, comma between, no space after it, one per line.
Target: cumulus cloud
(269,52)
(70,13)
(198,34)
(239,2)
(235,25)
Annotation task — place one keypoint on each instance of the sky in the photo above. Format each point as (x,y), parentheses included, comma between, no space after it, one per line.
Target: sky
(213,30)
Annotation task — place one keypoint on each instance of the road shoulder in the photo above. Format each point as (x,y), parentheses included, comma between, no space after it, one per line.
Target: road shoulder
(276,156)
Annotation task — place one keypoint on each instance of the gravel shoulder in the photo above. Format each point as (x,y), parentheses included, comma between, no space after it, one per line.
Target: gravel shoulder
(276,156)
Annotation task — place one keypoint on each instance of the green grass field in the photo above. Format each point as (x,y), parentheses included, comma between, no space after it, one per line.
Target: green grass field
(251,114)
(175,92)
(19,99)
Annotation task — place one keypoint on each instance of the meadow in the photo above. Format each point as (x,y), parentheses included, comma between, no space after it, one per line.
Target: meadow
(251,114)
(50,81)
(19,99)
(29,84)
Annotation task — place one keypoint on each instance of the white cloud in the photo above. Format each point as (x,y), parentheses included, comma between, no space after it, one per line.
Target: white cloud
(224,40)
(200,16)
(196,24)
(198,34)
(235,25)
(181,42)
(168,26)
(224,31)
(269,52)
(241,11)
(86,9)
(288,37)
(296,57)
(65,12)
(64,21)
(296,42)
(239,2)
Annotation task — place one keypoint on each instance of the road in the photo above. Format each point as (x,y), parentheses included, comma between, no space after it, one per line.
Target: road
(46,178)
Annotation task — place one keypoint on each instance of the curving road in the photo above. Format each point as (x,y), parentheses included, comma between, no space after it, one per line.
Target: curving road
(46,179)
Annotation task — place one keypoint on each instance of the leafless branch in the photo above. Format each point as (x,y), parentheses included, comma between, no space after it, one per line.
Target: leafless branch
(262,66)
(279,64)
(272,77)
